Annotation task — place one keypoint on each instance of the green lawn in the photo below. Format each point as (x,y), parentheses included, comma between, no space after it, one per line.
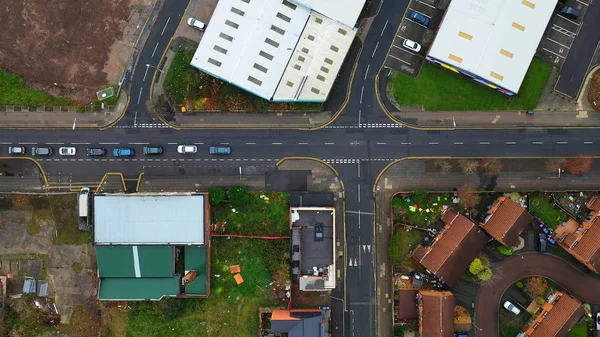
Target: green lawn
(401,244)
(579,330)
(439,89)
(15,92)
(543,208)
(177,76)
(419,208)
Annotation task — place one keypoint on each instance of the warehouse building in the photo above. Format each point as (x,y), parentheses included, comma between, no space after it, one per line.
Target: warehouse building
(491,42)
(139,240)
(280,50)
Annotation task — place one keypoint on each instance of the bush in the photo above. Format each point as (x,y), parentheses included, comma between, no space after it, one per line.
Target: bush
(485,274)
(238,195)
(508,251)
(540,300)
(519,284)
(476,266)
(216,195)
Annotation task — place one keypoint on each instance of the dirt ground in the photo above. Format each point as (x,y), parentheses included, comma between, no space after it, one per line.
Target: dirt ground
(70,48)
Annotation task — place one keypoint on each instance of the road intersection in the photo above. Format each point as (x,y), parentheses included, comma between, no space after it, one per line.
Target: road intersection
(359,143)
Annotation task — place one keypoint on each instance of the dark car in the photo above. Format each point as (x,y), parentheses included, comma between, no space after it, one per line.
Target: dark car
(319,232)
(153,150)
(542,239)
(123,152)
(570,12)
(16,150)
(96,152)
(219,150)
(419,18)
(42,151)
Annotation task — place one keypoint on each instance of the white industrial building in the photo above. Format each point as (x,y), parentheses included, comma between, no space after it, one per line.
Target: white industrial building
(280,50)
(491,41)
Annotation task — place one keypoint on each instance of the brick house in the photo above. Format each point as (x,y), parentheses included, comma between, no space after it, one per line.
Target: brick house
(505,221)
(555,317)
(436,313)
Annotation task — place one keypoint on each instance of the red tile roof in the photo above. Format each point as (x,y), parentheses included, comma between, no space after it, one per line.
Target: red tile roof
(594,203)
(588,246)
(565,312)
(506,220)
(407,304)
(436,314)
(454,248)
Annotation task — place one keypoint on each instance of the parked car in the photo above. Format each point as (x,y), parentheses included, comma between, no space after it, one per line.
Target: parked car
(542,242)
(197,24)
(570,12)
(187,149)
(512,308)
(123,152)
(219,150)
(96,152)
(598,321)
(67,151)
(41,151)
(16,150)
(412,45)
(153,150)
(419,18)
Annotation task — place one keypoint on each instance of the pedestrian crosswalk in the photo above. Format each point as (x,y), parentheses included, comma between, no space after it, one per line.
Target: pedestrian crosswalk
(143,126)
(356,161)
(367,126)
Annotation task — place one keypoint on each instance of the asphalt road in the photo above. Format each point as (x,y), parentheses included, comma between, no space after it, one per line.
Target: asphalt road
(359,144)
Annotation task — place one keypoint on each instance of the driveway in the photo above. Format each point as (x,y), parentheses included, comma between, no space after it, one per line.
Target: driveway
(531,264)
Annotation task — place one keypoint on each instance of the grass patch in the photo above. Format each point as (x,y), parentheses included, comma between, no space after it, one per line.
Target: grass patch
(176,81)
(15,92)
(258,217)
(439,89)
(77,267)
(64,210)
(579,330)
(114,322)
(85,321)
(420,208)
(33,227)
(400,246)
(543,208)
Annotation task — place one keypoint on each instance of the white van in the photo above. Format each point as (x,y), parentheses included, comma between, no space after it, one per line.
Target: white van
(83,202)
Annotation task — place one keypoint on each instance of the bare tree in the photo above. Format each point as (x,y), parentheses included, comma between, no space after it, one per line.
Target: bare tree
(468,167)
(443,166)
(492,166)
(468,195)
(554,164)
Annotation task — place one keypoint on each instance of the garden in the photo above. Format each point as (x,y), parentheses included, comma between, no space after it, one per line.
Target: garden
(430,90)
(196,90)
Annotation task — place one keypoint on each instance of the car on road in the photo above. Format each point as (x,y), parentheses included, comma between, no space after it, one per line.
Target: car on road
(197,24)
(187,149)
(419,18)
(96,152)
(67,151)
(411,45)
(16,150)
(219,150)
(153,150)
(512,308)
(41,151)
(598,321)
(123,152)
(570,12)
(542,238)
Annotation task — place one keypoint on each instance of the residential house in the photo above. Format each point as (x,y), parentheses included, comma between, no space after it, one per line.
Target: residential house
(453,249)
(297,323)
(582,240)
(594,203)
(555,318)
(505,221)
(407,304)
(436,313)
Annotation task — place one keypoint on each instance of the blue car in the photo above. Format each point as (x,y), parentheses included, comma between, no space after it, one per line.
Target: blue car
(419,18)
(217,150)
(123,152)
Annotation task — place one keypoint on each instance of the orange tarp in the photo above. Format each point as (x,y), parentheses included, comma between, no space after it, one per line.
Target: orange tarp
(238,278)
(234,269)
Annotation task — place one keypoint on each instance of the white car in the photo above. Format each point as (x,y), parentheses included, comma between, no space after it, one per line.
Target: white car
(512,308)
(598,321)
(195,23)
(67,151)
(187,149)
(412,45)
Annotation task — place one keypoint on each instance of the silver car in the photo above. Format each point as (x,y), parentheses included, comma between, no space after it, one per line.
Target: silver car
(187,149)
(67,151)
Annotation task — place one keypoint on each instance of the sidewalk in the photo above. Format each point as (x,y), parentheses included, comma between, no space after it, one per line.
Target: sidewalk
(233,119)
(16,118)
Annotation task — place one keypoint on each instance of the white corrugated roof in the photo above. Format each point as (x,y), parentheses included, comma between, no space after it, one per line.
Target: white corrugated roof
(316,60)
(148,219)
(253,55)
(344,11)
(495,40)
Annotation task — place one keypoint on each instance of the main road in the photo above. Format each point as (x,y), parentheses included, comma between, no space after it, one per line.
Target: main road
(359,144)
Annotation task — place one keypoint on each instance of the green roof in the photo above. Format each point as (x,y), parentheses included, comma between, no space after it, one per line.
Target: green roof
(135,261)
(138,288)
(195,259)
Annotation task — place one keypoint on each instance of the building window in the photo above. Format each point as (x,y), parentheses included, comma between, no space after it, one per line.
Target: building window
(237,11)
(226,37)
(319,20)
(272,43)
(214,62)
(297,67)
(311,37)
(261,68)
(289,4)
(266,55)
(254,80)
(305,50)
(284,17)
(231,24)
(321,78)
(325,70)
(290,84)
(334,48)
(329,61)
(246,1)
(342,31)
(220,49)
(277,30)
(315,90)
(301,58)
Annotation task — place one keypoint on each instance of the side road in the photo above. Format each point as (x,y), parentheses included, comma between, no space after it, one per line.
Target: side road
(531,264)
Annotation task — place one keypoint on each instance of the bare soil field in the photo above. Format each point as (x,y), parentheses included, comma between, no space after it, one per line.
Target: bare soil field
(70,48)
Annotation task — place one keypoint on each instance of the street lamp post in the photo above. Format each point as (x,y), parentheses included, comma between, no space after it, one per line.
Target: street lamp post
(151,66)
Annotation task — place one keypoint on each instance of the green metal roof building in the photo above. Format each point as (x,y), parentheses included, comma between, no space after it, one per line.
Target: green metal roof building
(143,267)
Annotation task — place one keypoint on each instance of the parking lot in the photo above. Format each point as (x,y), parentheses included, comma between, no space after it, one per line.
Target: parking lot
(404,59)
(561,32)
